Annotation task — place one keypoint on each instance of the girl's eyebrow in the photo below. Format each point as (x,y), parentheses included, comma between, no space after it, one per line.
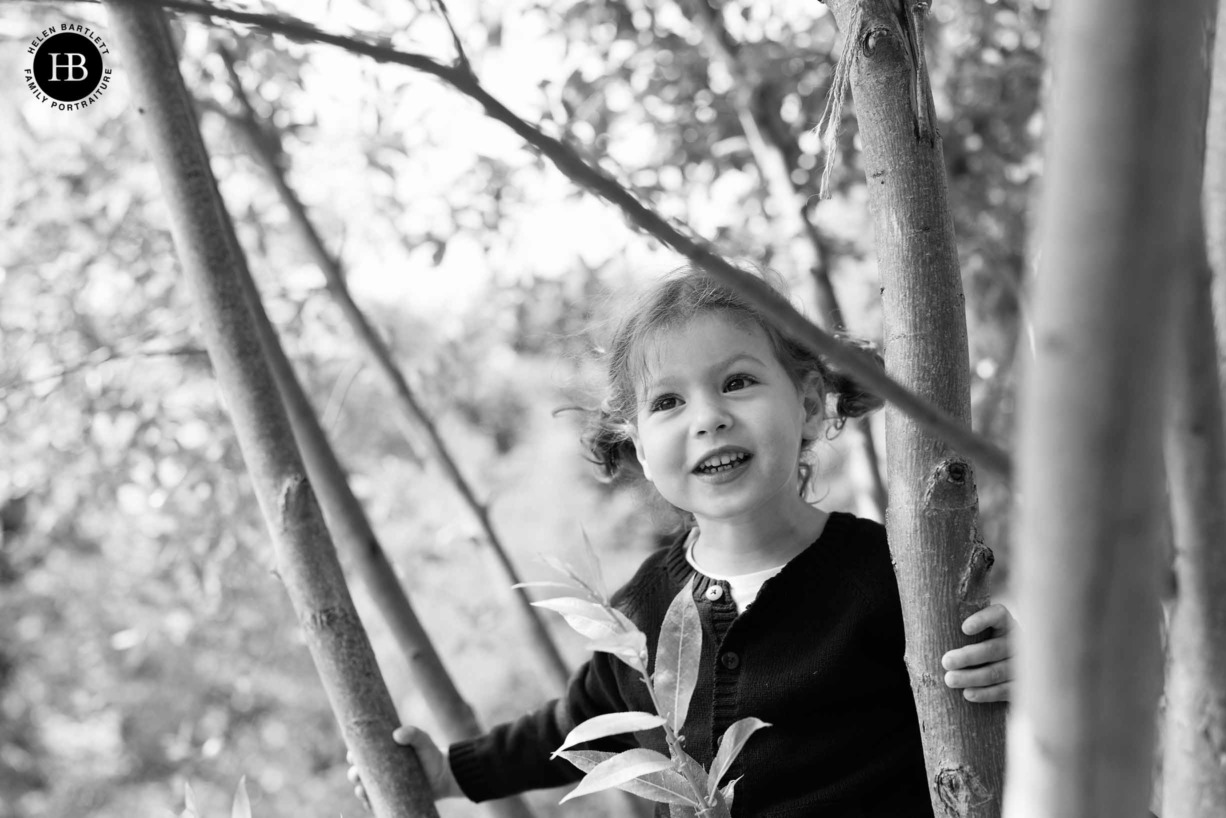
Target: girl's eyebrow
(654,384)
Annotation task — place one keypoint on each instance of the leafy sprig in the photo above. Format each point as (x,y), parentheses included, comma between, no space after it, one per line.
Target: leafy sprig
(676,779)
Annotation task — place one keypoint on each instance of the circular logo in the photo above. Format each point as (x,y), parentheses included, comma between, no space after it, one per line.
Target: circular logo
(67,71)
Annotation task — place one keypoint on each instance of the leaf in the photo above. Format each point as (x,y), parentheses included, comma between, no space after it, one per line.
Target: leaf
(690,769)
(618,770)
(677,656)
(622,619)
(588,618)
(597,575)
(610,724)
(189,802)
(586,760)
(631,648)
(547,584)
(665,786)
(563,567)
(726,791)
(730,745)
(242,804)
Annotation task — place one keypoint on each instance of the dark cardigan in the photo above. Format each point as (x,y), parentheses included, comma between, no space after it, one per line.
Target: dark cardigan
(818,655)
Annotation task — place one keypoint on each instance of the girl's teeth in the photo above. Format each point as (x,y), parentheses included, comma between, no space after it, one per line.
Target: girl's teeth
(722,463)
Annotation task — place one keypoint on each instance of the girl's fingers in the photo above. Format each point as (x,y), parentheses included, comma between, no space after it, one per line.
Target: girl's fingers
(983,695)
(981,653)
(994,616)
(352,775)
(987,676)
(407,735)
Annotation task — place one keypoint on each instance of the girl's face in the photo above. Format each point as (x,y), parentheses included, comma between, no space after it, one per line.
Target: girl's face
(719,422)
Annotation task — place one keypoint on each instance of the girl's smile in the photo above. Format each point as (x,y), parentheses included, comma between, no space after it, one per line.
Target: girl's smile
(720,425)
(723,464)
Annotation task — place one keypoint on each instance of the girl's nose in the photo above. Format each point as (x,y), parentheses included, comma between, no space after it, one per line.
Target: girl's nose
(711,416)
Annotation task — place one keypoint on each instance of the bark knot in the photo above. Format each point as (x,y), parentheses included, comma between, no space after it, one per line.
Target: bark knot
(950,486)
(331,618)
(973,584)
(960,790)
(872,34)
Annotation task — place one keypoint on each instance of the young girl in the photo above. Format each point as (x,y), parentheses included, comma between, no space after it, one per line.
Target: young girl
(802,626)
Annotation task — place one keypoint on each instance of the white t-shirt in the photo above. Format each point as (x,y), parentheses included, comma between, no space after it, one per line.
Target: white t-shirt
(744,587)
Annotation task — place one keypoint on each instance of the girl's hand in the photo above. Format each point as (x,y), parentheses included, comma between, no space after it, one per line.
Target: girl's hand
(433,763)
(983,671)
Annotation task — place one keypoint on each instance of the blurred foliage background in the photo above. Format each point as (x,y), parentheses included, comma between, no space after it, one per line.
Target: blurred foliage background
(144,640)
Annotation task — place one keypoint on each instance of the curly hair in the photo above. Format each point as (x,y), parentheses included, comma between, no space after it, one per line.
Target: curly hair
(673,302)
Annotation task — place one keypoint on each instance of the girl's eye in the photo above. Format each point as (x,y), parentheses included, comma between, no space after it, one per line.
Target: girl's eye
(664,403)
(737,382)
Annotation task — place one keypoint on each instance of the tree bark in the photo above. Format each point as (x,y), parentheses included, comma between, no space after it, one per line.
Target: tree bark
(1194,763)
(1089,555)
(306,559)
(941,563)
(1215,186)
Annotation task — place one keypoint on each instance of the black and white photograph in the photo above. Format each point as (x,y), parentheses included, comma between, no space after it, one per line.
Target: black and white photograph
(612,409)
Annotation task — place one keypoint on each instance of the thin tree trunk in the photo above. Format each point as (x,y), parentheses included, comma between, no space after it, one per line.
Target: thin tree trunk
(306,559)
(1194,763)
(539,638)
(1089,556)
(942,564)
(1215,186)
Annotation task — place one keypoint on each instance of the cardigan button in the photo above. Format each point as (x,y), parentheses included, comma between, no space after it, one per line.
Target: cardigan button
(730,660)
(714,592)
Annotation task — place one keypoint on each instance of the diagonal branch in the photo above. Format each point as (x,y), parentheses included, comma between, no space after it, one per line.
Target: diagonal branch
(855,362)
(99,357)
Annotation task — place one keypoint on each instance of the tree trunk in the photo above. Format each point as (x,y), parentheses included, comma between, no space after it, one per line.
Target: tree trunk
(306,559)
(941,563)
(1194,763)
(1215,186)
(1123,119)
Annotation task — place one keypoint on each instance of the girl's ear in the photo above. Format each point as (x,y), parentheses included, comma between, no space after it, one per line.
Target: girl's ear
(639,454)
(813,398)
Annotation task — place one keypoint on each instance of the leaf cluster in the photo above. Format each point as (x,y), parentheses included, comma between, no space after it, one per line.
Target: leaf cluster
(676,779)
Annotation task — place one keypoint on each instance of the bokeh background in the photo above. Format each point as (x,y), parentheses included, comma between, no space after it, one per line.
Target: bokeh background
(144,641)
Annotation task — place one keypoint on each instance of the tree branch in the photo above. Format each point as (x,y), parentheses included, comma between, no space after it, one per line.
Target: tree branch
(95,360)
